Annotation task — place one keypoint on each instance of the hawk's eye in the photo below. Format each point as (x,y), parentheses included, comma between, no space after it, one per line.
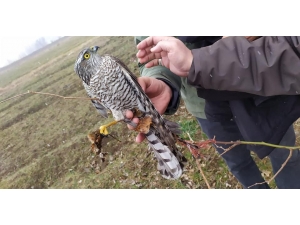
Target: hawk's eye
(86,55)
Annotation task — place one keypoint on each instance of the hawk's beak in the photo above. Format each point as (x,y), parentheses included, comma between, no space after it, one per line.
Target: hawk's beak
(95,48)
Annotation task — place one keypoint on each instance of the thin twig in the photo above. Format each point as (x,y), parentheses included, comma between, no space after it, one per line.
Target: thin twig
(199,166)
(60,96)
(211,159)
(42,93)
(202,173)
(14,97)
(282,166)
(190,137)
(258,143)
(114,137)
(228,149)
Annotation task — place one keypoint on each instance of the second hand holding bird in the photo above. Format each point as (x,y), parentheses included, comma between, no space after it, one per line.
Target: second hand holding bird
(160,95)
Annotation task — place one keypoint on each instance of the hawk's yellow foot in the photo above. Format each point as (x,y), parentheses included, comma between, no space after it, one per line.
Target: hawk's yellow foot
(103,129)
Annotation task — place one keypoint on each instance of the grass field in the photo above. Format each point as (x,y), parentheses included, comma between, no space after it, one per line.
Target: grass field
(44,138)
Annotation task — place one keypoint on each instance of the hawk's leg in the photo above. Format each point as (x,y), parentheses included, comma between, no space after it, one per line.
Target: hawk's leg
(103,129)
(136,113)
(129,122)
(145,121)
(144,125)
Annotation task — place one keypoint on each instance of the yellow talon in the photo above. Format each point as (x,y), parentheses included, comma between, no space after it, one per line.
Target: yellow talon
(103,129)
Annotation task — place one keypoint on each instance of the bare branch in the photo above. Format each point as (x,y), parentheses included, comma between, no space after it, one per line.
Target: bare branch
(14,97)
(268,144)
(190,137)
(60,96)
(282,166)
(228,149)
(202,173)
(256,143)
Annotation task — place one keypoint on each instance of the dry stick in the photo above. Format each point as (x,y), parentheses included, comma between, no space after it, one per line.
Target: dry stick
(282,166)
(212,159)
(190,137)
(201,171)
(228,149)
(14,97)
(114,137)
(257,143)
(42,93)
(60,96)
(234,144)
(199,167)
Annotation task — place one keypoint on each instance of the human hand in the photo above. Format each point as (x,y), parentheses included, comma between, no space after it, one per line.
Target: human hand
(160,95)
(172,52)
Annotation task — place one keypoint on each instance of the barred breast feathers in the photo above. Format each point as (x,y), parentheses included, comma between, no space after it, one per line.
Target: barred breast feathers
(100,108)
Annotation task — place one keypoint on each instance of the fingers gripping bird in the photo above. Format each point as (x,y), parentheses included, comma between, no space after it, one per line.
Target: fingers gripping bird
(108,80)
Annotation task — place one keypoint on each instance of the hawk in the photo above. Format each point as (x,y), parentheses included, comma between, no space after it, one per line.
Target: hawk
(115,88)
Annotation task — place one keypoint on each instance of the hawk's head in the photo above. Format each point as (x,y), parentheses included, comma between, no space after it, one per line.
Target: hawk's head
(86,63)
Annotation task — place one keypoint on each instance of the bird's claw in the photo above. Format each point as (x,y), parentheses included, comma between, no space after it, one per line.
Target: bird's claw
(103,129)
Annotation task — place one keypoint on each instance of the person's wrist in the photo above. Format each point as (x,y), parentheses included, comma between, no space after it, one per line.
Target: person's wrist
(174,94)
(169,93)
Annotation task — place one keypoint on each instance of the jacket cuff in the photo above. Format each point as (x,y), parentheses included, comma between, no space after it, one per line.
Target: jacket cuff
(194,79)
(175,100)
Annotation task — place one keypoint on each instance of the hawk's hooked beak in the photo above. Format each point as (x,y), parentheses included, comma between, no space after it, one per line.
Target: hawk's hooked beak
(95,48)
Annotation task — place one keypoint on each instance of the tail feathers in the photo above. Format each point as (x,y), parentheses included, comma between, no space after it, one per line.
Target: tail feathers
(168,165)
(174,127)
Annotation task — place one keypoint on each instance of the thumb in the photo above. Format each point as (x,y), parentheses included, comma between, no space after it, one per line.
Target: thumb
(145,82)
(142,82)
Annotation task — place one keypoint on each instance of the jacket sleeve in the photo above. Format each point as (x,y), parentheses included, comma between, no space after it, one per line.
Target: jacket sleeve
(164,74)
(268,66)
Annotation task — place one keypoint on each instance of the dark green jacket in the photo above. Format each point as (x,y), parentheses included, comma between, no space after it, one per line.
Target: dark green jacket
(193,103)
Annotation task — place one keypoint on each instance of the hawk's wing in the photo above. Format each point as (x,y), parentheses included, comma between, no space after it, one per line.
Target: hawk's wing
(100,108)
(132,78)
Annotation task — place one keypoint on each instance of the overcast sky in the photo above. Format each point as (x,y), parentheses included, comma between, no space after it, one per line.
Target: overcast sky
(11,47)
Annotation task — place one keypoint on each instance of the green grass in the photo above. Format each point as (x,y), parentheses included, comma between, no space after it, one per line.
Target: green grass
(44,138)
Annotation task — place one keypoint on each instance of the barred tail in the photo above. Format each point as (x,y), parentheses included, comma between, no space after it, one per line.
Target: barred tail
(168,165)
